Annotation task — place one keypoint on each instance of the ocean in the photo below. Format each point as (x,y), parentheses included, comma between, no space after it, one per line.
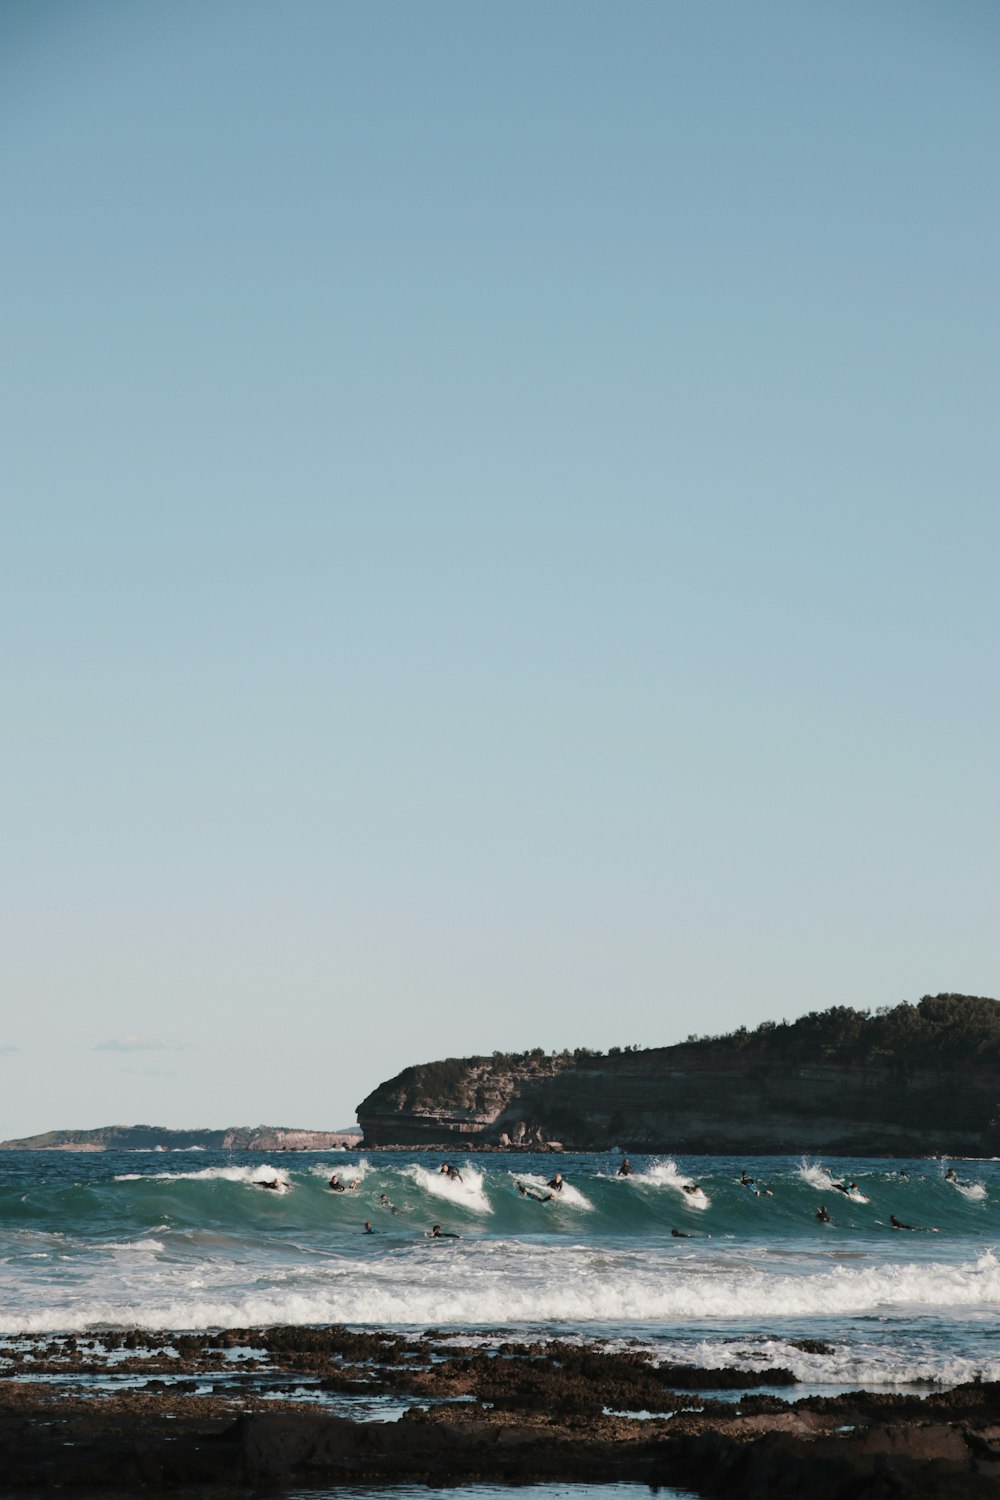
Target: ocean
(192,1240)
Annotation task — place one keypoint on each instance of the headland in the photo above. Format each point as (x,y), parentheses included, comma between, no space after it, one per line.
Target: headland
(914,1080)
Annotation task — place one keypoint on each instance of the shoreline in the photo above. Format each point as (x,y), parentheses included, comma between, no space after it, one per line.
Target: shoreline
(242,1408)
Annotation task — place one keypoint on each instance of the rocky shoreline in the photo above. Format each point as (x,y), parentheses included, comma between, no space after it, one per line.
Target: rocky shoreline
(218,1415)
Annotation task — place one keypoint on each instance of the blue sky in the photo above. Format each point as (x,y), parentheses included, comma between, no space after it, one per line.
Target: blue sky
(499,535)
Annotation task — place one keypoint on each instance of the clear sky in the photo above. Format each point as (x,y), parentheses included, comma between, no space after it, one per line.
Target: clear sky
(500,534)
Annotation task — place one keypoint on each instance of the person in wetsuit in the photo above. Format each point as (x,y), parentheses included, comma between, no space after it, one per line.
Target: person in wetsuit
(335,1185)
(452,1173)
(556,1183)
(625,1170)
(437,1233)
(823,1214)
(529,1193)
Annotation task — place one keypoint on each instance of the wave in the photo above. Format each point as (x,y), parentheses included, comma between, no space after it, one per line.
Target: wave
(466,1192)
(567,1194)
(471,1283)
(974,1191)
(251,1176)
(156,1245)
(666,1174)
(356,1173)
(645,1207)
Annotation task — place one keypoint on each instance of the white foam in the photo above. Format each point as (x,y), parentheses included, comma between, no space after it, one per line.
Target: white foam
(567,1194)
(469,1193)
(253,1176)
(505,1283)
(816,1176)
(132,1245)
(858,1365)
(324,1170)
(665,1174)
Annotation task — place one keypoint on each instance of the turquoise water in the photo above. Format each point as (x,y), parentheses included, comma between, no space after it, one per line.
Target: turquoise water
(192,1240)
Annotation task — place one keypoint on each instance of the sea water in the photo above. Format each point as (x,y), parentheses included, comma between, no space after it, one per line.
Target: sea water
(193,1240)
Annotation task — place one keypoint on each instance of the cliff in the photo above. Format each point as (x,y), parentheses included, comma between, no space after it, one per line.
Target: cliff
(158,1138)
(914,1080)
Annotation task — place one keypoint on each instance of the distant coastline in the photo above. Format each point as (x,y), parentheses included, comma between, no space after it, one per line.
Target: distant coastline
(160,1138)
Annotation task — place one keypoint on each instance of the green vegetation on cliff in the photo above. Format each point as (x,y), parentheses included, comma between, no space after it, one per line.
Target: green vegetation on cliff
(951,1029)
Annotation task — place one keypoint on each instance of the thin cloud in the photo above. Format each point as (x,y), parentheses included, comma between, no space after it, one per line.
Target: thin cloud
(132,1043)
(6,1048)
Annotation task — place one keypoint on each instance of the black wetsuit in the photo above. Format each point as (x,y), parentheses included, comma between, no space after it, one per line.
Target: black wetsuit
(535,1197)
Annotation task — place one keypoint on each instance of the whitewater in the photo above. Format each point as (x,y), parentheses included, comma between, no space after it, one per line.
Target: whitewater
(681,1257)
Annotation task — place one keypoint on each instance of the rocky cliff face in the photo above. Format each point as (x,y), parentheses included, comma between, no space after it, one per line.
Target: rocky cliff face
(716,1098)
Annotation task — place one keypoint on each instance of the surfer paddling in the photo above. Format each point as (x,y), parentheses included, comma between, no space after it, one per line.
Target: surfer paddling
(916,1228)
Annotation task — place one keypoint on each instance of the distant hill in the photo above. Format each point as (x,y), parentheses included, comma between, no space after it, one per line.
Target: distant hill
(908,1079)
(157,1137)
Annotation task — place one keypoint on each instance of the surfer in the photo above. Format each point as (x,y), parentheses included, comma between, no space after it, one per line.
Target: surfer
(335,1185)
(556,1183)
(691,1187)
(452,1173)
(437,1233)
(368,1227)
(746,1181)
(625,1170)
(679,1234)
(383,1202)
(528,1193)
(354,1184)
(896,1224)
(274,1185)
(823,1214)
